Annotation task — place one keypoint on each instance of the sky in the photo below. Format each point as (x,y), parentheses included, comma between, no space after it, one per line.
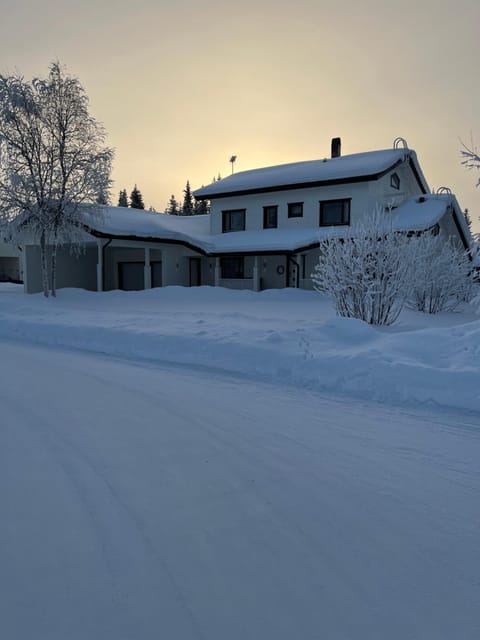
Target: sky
(182,85)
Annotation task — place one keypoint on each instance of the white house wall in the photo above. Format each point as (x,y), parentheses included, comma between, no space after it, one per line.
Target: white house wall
(449,229)
(382,192)
(364,198)
(72,271)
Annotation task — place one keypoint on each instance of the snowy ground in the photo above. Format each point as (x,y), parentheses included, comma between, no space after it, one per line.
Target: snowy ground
(282,336)
(142,499)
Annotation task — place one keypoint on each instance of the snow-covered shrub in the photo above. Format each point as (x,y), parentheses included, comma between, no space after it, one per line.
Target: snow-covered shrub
(368,272)
(443,275)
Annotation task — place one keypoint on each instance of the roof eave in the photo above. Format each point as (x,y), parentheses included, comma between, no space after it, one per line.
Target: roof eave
(301,185)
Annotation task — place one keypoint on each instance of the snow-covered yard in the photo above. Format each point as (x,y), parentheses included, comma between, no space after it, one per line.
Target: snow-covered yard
(188,464)
(283,336)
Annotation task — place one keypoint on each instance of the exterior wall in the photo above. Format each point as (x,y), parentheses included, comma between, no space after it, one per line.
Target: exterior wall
(364,198)
(11,259)
(383,193)
(175,261)
(176,265)
(449,230)
(269,276)
(10,270)
(114,255)
(72,271)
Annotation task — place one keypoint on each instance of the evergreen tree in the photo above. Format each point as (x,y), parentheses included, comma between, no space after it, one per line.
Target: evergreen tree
(136,199)
(172,207)
(122,198)
(188,206)
(201,207)
(468,220)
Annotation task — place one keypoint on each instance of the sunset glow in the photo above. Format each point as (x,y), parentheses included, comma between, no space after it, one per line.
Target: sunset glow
(181,85)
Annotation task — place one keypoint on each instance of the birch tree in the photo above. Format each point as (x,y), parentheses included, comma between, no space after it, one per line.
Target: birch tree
(53,162)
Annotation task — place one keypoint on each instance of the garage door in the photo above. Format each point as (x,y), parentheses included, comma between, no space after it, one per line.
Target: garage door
(131,275)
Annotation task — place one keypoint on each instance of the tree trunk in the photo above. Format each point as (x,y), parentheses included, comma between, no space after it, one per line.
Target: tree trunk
(53,272)
(43,260)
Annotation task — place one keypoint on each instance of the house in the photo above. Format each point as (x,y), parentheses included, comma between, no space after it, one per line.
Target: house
(10,262)
(264,228)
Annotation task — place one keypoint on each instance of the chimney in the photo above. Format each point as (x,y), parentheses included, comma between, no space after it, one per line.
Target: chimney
(336,147)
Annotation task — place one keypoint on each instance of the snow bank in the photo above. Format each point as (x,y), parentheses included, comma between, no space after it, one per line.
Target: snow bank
(284,336)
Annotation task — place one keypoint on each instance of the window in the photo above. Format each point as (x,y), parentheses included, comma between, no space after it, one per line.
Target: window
(233,220)
(334,212)
(395,181)
(270,217)
(232,268)
(295,209)
(303,266)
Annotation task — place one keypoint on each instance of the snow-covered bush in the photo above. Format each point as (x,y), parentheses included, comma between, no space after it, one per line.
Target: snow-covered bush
(372,271)
(443,275)
(368,272)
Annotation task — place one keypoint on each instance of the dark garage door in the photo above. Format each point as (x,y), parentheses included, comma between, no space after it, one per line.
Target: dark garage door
(131,278)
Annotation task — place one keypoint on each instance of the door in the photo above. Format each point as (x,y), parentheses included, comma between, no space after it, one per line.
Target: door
(195,272)
(131,276)
(156,267)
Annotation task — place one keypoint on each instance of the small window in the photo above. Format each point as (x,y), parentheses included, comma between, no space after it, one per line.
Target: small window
(232,268)
(395,181)
(334,212)
(270,217)
(303,266)
(233,220)
(295,209)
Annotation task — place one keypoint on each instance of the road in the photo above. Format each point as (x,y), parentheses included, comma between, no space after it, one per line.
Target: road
(142,502)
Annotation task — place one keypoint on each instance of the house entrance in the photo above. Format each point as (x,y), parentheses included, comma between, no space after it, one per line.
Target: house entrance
(195,272)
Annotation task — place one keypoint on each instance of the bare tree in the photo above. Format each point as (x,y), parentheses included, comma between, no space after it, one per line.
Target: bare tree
(470,157)
(52,161)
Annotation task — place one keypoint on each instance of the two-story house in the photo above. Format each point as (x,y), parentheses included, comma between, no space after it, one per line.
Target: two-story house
(264,228)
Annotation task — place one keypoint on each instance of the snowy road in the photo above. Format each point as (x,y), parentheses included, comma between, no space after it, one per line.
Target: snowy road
(141,502)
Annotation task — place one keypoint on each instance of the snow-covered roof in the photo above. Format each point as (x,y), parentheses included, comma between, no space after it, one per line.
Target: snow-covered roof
(415,214)
(354,167)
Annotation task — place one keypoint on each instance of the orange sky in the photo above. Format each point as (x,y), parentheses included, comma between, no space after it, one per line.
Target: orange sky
(182,85)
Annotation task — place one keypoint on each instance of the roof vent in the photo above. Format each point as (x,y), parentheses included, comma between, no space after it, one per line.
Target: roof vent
(400,142)
(336,147)
(442,191)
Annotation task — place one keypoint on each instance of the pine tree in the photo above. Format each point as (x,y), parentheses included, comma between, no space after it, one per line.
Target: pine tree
(122,198)
(172,207)
(188,206)
(468,220)
(201,207)
(136,199)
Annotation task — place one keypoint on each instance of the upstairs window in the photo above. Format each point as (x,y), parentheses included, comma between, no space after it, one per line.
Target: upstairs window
(395,181)
(270,217)
(233,220)
(334,212)
(295,209)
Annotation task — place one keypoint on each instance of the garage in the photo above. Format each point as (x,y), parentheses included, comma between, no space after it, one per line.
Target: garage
(131,275)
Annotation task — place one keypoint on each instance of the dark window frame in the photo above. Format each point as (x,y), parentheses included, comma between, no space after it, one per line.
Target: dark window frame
(271,209)
(345,220)
(303,266)
(228,271)
(227,216)
(395,181)
(291,206)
